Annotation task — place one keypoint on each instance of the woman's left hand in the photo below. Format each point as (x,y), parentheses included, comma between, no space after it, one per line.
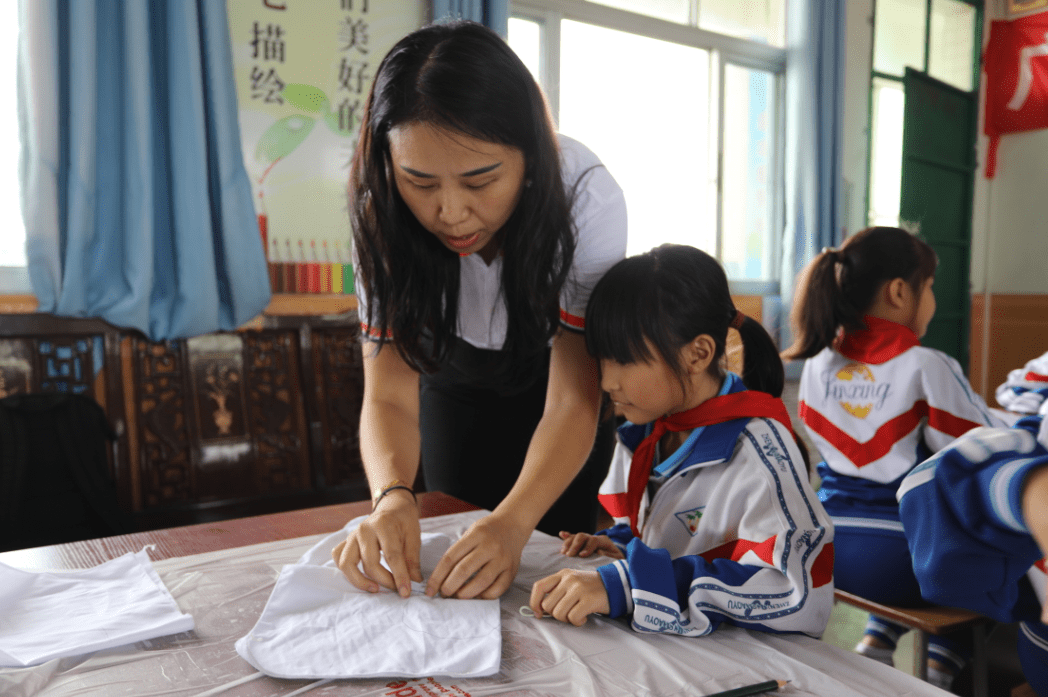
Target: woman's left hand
(483,563)
(570,595)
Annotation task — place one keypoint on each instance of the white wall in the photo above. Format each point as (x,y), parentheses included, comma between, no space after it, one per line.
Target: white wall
(1010,217)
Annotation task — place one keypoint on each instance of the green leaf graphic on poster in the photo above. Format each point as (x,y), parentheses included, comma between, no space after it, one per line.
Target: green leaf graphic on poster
(306,97)
(333,121)
(283,136)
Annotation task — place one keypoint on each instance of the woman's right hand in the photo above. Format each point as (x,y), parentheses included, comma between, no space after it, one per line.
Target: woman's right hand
(392,530)
(582,544)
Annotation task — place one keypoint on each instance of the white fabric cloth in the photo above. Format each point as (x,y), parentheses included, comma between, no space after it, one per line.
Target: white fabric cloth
(46,615)
(317,625)
(599,213)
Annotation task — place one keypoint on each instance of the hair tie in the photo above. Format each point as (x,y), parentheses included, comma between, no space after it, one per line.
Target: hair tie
(737,320)
(833,253)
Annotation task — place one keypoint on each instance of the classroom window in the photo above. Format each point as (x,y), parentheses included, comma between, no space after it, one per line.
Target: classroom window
(899,33)
(951,43)
(687,120)
(763,21)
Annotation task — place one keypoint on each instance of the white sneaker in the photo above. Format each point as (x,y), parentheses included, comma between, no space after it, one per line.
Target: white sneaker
(881,654)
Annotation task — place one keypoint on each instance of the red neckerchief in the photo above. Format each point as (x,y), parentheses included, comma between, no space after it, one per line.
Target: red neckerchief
(882,341)
(716,410)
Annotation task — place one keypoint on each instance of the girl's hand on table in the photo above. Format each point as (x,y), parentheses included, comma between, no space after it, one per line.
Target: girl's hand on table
(582,544)
(392,530)
(570,595)
(483,563)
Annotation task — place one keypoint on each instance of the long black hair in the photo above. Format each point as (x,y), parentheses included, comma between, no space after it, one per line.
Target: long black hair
(463,78)
(669,296)
(839,285)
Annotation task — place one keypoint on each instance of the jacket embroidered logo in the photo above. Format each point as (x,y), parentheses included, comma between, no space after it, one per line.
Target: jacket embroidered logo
(856,371)
(691,519)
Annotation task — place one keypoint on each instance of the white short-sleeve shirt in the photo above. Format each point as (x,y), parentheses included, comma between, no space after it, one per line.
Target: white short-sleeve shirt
(599,213)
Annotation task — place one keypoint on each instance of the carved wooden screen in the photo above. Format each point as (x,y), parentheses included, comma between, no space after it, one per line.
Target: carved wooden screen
(219,418)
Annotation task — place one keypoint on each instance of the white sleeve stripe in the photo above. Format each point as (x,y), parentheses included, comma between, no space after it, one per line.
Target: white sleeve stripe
(999,487)
(922,475)
(874,523)
(1038,641)
(620,566)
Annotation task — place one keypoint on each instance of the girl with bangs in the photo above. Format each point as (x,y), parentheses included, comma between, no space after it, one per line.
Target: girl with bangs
(478,232)
(876,404)
(715,519)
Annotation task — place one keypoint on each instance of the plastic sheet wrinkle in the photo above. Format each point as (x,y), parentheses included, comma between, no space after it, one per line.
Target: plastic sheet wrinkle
(230,685)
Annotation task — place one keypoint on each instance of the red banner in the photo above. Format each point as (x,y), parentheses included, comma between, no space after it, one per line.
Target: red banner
(1016,65)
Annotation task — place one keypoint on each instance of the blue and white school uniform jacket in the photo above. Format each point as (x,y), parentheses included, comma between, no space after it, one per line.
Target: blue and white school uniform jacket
(734,533)
(875,407)
(1026,389)
(962,515)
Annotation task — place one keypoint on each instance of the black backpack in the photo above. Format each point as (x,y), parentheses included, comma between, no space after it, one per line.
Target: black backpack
(55,484)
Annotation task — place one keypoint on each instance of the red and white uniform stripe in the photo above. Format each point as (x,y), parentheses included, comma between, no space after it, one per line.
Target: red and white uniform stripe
(879,400)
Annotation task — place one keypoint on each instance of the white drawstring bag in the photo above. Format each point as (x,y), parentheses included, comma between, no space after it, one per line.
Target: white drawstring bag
(317,625)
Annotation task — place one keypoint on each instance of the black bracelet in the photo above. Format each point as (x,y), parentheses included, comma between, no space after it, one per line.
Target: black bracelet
(374,504)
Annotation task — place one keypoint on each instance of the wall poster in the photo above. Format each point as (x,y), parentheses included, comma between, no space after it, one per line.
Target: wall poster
(303,69)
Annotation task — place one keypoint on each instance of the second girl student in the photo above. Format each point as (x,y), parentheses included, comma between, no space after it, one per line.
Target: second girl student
(876,403)
(716,520)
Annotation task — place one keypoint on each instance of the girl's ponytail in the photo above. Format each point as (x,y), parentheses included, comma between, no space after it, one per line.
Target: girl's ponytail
(761,366)
(818,310)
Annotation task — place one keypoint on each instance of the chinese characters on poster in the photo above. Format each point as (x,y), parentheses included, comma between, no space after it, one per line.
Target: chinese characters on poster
(303,69)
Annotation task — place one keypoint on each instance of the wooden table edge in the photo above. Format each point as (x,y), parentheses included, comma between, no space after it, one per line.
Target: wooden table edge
(209,537)
(934,620)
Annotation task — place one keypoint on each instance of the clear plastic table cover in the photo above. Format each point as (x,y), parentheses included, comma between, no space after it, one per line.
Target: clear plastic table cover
(226,591)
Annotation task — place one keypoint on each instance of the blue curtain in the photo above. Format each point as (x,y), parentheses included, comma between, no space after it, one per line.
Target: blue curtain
(491,13)
(814,125)
(137,205)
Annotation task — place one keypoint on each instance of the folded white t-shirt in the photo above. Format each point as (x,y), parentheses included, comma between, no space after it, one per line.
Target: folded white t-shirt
(317,625)
(46,615)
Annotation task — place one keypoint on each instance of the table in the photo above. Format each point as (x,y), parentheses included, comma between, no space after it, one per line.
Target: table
(210,537)
(222,574)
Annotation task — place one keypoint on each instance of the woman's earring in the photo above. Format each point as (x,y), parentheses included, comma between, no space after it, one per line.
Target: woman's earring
(527,182)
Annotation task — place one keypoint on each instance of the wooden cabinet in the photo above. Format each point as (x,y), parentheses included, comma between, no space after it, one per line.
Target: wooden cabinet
(212,427)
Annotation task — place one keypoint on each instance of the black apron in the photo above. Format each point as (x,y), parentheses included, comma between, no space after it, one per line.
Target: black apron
(477,417)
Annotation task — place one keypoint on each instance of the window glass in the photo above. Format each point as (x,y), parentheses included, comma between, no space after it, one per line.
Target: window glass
(670,10)
(951,53)
(899,35)
(525,38)
(649,127)
(757,20)
(748,203)
(12,240)
(886,152)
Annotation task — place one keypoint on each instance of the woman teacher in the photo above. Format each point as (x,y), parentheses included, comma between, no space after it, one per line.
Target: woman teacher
(478,233)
